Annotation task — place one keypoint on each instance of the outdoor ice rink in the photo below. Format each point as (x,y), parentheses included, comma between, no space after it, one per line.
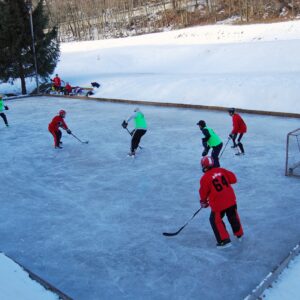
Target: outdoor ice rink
(89,219)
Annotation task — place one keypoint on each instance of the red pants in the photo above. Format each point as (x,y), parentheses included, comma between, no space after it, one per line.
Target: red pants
(57,136)
(218,226)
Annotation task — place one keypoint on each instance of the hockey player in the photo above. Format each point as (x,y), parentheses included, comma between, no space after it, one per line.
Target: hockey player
(138,132)
(58,121)
(216,191)
(210,140)
(2,109)
(238,130)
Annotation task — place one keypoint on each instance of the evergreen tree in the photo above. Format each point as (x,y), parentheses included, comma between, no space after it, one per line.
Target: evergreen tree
(16,53)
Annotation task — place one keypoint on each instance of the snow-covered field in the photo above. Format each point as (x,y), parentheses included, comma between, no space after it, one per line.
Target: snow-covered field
(89,220)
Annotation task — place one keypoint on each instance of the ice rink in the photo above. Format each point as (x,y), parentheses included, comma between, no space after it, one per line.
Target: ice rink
(89,219)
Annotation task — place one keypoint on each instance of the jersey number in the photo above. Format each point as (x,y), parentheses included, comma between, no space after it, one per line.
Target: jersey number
(219,183)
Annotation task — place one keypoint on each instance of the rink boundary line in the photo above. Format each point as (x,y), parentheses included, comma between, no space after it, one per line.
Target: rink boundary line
(44,283)
(182,105)
(19,97)
(267,282)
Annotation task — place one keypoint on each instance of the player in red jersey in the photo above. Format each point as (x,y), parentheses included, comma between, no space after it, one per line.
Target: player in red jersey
(58,121)
(216,191)
(238,130)
(56,83)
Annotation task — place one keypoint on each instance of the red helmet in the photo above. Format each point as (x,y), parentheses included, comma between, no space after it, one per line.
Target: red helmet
(207,162)
(62,113)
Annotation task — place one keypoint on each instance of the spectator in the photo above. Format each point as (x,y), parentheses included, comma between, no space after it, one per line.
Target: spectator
(68,89)
(56,83)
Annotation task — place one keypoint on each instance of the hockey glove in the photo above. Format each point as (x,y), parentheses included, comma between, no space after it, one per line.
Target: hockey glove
(231,136)
(69,131)
(124,124)
(6,107)
(204,204)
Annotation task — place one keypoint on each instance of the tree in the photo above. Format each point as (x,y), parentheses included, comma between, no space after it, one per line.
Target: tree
(16,53)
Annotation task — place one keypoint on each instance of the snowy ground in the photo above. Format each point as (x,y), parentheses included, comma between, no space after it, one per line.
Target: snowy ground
(89,220)
(15,283)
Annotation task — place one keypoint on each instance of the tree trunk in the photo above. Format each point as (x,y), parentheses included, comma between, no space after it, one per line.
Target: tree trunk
(22,77)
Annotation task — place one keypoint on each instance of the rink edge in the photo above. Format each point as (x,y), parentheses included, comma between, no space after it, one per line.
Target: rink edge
(182,105)
(267,282)
(44,283)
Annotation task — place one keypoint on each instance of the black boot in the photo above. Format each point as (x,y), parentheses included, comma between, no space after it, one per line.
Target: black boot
(241,147)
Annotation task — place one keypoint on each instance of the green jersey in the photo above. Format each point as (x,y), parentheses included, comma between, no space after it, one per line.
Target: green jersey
(214,139)
(140,121)
(2,108)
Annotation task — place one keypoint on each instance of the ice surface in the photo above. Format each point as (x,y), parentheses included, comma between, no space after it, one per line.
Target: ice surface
(89,220)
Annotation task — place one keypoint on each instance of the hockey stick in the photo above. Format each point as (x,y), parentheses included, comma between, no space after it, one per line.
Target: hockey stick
(175,233)
(225,147)
(82,142)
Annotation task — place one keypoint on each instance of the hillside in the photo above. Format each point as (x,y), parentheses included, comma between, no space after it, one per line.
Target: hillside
(91,20)
(250,66)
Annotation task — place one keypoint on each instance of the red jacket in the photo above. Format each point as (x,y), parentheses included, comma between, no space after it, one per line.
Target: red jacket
(57,81)
(57,122)
(215,188)
(68,88)
(239,126)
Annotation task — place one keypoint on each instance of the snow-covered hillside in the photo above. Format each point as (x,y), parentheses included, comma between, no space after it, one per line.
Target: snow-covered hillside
(253,67)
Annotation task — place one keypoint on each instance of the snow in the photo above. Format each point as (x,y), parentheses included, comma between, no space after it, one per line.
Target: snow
(214,65)
(287,285)
(16,284)
(89,220)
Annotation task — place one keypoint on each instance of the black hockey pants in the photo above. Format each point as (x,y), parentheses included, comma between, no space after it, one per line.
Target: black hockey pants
(215,154)
(136,138)
(4,118)
(239,144)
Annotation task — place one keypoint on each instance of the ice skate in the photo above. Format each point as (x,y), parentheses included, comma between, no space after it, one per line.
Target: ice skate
(239,238)
(131,154)
(224,244)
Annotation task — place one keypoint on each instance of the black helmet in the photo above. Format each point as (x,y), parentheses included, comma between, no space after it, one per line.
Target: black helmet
(201,123)
(231,110)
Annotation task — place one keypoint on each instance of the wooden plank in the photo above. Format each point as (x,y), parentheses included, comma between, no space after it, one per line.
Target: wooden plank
(182,105)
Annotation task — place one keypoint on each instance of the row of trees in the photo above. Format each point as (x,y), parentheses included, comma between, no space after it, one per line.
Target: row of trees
(97,19)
